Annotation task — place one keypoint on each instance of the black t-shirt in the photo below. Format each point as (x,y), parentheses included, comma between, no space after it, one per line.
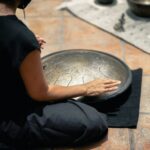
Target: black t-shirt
(16,42)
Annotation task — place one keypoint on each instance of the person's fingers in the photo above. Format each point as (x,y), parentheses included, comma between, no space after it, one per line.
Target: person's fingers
(41,44)
(111,81)
(106,80)
(110,89)
(40,40)
(111,85)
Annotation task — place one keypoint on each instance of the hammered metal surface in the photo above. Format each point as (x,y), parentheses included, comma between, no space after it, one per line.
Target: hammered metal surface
(73,67)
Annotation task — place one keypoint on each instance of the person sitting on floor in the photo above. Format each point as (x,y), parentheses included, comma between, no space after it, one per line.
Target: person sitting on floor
(33,113)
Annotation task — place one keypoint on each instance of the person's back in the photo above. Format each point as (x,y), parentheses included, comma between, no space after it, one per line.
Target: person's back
(16,40)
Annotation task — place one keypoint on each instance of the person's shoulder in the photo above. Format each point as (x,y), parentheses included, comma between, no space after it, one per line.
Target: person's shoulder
(15,28)
(23,30)
(23,33)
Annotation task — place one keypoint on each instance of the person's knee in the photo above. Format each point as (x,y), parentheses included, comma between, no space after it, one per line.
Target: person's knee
(95,126)
(99,127)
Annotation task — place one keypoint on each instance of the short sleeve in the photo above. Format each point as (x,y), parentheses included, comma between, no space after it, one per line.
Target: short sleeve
(22,44)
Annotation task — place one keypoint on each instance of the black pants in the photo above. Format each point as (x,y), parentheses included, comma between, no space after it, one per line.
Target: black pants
(69,123)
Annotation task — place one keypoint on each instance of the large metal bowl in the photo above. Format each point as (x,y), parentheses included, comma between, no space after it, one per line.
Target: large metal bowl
(71,67)
(140,7)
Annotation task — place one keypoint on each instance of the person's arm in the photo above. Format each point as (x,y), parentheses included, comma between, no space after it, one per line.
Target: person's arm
(32,74)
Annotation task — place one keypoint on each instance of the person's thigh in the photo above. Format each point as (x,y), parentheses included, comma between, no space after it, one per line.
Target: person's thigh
(65,123)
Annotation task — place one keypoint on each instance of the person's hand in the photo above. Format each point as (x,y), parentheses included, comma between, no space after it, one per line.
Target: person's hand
(41,41)
(101,86)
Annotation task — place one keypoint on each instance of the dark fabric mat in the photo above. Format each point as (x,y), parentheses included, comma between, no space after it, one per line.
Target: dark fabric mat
(123,110)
